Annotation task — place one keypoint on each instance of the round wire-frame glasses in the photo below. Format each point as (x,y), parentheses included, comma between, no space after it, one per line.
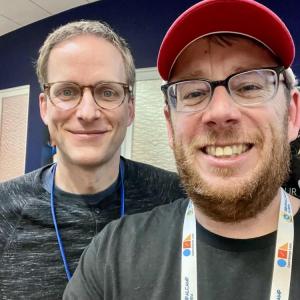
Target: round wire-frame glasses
(68,95)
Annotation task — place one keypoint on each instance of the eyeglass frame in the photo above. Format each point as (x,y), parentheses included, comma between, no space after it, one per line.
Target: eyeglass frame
(127,90)
(215,83)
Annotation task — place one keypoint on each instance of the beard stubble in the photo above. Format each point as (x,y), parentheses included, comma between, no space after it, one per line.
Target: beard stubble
(236,201)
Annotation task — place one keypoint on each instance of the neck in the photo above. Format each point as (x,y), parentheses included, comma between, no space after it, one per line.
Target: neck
(264,223)
(78,179)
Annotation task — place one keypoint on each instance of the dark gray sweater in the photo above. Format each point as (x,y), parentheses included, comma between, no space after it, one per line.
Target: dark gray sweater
(30,261)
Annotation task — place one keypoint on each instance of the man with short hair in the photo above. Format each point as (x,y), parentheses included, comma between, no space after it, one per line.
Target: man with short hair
(231,111)
(49,216)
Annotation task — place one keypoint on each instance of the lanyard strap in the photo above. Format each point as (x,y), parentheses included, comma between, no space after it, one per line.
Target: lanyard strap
(53,212)
(189,256)
(282,269)
(282,261)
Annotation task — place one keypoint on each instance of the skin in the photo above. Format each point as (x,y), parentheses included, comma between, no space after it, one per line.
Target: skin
(225,123)
(88,137)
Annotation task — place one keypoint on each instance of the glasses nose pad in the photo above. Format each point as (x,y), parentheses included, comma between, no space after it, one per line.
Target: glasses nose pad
(173,97)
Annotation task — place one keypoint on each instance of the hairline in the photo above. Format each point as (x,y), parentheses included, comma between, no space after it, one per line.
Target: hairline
(81,28)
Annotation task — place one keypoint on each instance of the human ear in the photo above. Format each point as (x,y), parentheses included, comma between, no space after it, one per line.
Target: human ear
(170,130)
(43,107)
(294,115)
(131,110)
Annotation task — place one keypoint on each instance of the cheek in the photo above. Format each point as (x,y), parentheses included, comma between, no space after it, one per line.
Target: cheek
(279,122)
(57,118)
(119,116)
(267,120)
(186,129)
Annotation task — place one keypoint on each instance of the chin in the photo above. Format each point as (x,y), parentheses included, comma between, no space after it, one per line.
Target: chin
(87,160)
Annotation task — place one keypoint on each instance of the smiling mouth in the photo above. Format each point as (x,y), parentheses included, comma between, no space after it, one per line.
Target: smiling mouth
(92,132)
(226,151)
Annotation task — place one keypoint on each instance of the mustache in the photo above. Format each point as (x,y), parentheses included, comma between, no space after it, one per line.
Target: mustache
(226,136)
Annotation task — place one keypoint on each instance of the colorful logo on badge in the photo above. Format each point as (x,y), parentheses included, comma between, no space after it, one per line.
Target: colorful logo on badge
(287,217)
(187,245)
(282,255)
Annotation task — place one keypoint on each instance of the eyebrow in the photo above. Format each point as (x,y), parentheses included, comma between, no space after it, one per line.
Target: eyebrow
(191,75)
(201,75)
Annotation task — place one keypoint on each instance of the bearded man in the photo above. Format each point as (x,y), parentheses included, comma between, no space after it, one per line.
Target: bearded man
(231,109)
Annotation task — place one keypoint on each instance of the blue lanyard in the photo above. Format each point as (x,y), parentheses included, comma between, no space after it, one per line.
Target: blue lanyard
(53,212)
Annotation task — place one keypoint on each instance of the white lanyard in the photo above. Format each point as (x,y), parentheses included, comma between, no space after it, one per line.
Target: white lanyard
(282,261)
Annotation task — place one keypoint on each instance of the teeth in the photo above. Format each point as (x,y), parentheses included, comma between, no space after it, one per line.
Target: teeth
(235,149)
(211,150)
(227,150)
(219,151)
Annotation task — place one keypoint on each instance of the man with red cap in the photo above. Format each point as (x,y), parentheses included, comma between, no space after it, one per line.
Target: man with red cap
(231,109)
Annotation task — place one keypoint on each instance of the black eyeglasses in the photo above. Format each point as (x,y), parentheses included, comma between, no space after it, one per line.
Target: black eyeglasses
(67,95)
(247,88)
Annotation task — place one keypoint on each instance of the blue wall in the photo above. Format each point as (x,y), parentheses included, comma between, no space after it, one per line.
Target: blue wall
(141,23)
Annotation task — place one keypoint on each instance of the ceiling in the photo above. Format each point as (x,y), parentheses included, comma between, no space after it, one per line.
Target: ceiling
(18,13)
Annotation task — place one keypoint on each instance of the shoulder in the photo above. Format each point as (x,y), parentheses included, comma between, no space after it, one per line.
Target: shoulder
(22,182)
(153,183)
(161,214)
(141,169)
(18,191)
(15,195)
(144,226)
(150,175)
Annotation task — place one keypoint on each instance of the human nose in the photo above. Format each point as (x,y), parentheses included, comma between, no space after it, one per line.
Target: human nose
(87,109)
(222,111)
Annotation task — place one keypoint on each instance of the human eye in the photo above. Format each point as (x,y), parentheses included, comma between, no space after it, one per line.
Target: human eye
(66,92)
(192,94)
(109,92)
(249,89)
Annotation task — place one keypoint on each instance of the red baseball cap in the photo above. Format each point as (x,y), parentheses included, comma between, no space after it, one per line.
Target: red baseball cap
(245,17)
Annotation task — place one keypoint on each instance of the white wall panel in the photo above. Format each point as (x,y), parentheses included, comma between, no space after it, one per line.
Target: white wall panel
(13,133)
(149,138)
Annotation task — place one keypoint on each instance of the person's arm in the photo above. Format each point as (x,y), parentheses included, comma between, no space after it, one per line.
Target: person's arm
(86,280)
(11,205)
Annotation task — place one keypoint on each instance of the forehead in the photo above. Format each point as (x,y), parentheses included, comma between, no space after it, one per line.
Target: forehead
(230,53)
(90,54)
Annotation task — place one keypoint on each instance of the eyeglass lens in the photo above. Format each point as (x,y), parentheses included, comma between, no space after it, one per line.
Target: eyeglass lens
(67,95)
(247,88)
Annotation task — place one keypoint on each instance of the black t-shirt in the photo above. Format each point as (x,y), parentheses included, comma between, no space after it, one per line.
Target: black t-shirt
(138,257)
(30,260)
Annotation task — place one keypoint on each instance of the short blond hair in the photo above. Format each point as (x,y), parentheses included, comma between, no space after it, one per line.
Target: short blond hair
(73,29)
